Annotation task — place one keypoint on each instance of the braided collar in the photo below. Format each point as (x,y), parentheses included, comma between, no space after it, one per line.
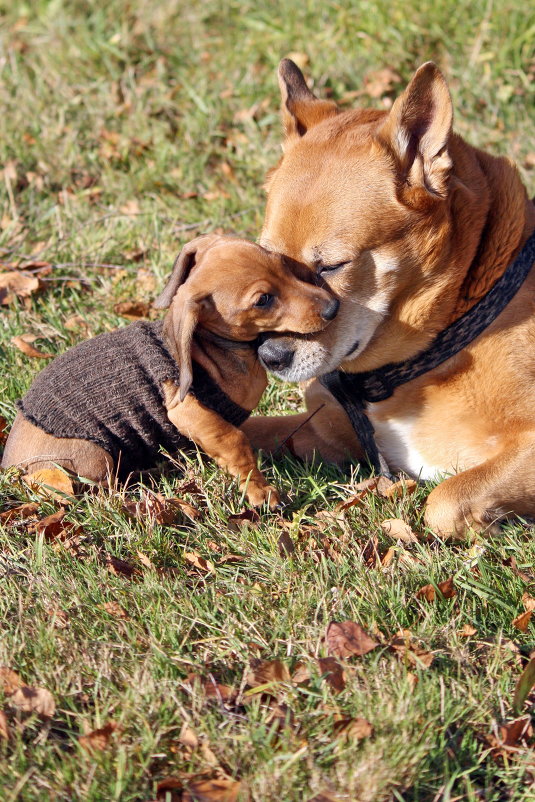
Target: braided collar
(354,390)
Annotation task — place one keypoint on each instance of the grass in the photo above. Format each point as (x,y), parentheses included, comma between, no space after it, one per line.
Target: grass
(126,129)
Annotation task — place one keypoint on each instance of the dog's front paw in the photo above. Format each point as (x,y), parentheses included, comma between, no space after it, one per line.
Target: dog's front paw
(258,495)
(450,517)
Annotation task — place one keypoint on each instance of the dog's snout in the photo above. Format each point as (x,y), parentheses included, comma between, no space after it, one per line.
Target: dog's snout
(331,310)
(275,355)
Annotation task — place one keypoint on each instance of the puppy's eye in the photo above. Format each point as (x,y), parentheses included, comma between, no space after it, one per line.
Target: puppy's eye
(265,300)
(331,268)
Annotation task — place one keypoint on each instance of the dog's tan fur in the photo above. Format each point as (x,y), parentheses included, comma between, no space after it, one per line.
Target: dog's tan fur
(214,287)
(421,224)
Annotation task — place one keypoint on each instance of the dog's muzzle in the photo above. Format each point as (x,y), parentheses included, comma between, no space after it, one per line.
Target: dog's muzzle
(276,354)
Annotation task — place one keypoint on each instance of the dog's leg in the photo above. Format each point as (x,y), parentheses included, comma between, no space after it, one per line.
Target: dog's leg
(226,444)
(30,448)
(324,428)
(477,498)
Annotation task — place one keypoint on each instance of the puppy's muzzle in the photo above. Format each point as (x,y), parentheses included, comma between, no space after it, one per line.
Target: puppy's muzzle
(331,310)
(277,354)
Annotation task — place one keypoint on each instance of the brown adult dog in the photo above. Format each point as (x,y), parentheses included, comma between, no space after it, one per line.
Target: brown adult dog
(222,293)
(409,226)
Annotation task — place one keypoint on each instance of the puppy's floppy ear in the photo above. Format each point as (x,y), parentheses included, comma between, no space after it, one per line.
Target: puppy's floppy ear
(191,253)
(178,329)
(301,109)
(418,129)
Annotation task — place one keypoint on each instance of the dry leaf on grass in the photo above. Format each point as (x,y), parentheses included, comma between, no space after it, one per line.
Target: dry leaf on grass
(195,559)
(22,342)
(98,740)
(59,617)
(267,673)
(348,639)
(527,600)
(467,631)
(9,680)
(407,650)
(51,483)
(399,489)
(286,545)
(4,727)
(52,526)
(194,789)
(521,622)
(399,530)
(120,567)
(132,310)
(333,671)
(33,700)
(352,729)
(211,688)
(446,588)
(301,673)
(188,738)
(16,284)
(114,609)
(20,513)
(245,518)
(155,508)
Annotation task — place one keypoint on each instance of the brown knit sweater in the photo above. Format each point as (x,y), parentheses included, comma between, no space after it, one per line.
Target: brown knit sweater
(109,390)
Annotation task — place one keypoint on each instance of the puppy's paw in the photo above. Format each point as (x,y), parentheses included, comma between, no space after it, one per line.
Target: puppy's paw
(258,495)
(450,517)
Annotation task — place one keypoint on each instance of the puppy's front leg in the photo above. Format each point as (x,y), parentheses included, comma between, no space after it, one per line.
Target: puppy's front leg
(226,444)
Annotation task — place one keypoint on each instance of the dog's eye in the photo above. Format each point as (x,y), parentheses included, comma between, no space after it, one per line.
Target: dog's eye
(265,300)
(331,268)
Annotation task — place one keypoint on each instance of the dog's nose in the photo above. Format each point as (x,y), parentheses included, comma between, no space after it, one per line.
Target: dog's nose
(331,310)
(275,355)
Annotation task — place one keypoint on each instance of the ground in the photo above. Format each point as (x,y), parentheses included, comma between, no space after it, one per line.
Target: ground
(126,128)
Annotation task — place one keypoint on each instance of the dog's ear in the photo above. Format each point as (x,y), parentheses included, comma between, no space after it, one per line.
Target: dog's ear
(301,109)
(417,131)
(191,253)
(178,329)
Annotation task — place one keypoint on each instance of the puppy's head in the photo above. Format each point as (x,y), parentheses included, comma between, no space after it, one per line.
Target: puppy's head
(238,290)
(352,198)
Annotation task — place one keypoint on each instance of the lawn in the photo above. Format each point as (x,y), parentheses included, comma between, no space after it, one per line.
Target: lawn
(195,640)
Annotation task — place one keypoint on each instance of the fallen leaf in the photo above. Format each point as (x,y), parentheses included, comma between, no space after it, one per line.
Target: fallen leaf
(195,559)
(241,519)
(198,790)
(521,622)
(301,674)
(467,631)
(60,619)
(353,501)
(388,556)
(52,483)
(399,489)
(16,284)
(348,639)
(426,592)
(446,588)
(333,671)
(132,310)
(399,530)
(9,680)
(52,526)
(352,729)
(75,322)
(114,609)
(514,731)
(404,646)
(158,509)
(131,206)
(28,349)
(33,700)
(98,740)
(119,567)
(286,545)
(213,689)
(20,513)
(4,727)
(527,600)
(525,683)
(188,738)
(267,672)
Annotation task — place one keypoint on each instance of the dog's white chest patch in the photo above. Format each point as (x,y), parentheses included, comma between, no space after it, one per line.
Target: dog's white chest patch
(395,440)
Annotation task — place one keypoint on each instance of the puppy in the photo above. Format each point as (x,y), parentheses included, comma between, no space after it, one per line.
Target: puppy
(110,404)
(410,226)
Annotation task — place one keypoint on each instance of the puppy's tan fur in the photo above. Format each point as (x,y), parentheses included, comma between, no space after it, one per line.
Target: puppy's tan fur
(213,293)
(421,225)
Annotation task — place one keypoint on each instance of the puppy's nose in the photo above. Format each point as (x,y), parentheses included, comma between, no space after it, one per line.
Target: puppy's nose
(275,355)
(331,310)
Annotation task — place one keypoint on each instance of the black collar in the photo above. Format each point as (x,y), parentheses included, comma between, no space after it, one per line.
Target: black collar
(354,390)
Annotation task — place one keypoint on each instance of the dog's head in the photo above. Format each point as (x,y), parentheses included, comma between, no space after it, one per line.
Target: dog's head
(237,290)
(360,198)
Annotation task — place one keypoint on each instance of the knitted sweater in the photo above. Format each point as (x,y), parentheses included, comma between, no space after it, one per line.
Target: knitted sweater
(109,390)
